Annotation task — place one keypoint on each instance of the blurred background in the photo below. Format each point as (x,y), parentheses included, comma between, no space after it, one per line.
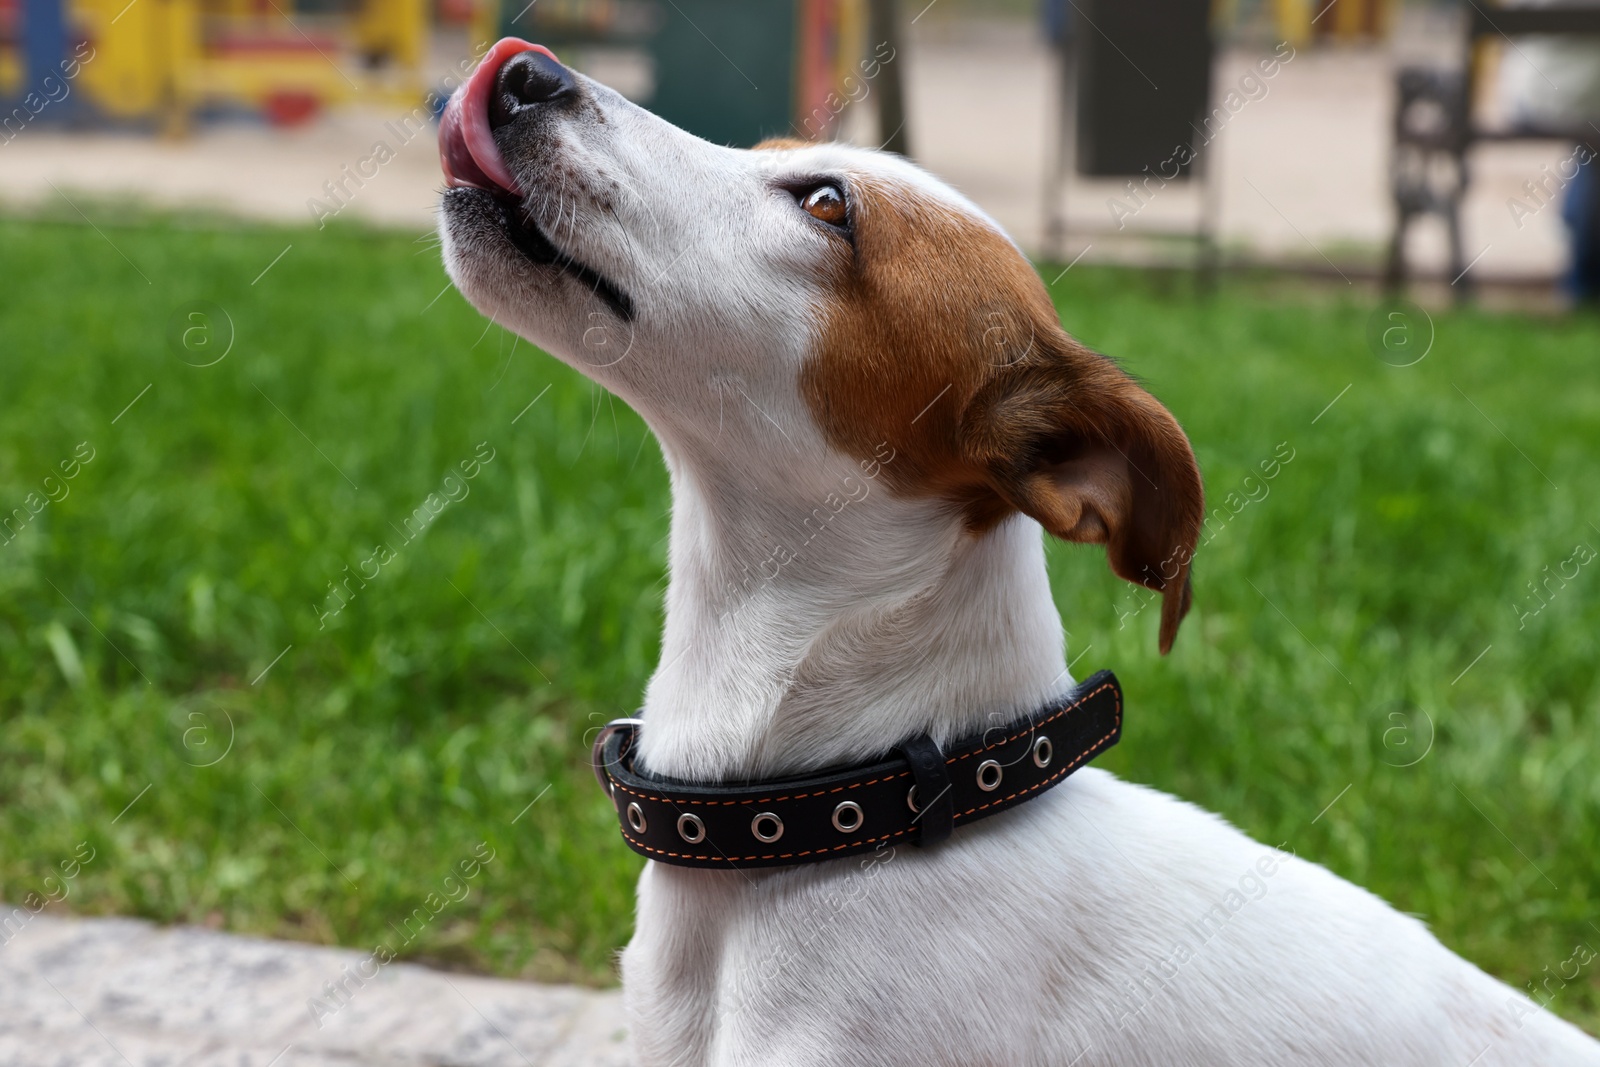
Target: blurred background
(1369,114)
(1352,244)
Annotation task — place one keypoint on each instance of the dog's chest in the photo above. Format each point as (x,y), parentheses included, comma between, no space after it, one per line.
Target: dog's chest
(816,965)
(968,949)
(1103,924)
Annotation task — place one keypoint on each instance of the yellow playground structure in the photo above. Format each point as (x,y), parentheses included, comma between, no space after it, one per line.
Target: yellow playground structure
(1301,21)
(161,62)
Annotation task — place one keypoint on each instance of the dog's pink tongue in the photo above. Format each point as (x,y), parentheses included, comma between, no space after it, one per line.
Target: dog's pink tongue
(466,144)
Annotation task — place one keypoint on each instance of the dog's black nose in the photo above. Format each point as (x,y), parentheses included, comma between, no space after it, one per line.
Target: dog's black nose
(527,80)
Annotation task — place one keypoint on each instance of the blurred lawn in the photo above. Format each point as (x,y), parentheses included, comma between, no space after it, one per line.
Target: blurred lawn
(1334,616)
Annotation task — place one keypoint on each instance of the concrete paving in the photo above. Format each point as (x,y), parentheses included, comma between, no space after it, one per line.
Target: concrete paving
(1302,170)
(123,993)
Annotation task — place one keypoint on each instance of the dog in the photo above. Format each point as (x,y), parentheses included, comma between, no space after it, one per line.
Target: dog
(869,412)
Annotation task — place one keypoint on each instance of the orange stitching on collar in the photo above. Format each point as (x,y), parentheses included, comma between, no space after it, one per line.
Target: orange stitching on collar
(762,800)
(768,856)
(1043,722)
(1092,751)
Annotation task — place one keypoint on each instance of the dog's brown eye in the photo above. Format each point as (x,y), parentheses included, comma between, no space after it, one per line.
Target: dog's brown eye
(826,202)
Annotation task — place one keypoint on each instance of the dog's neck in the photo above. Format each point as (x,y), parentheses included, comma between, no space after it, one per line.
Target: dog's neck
(805,629)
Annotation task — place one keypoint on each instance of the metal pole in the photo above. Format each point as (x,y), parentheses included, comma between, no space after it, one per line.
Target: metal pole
(1056,176)
(883,18)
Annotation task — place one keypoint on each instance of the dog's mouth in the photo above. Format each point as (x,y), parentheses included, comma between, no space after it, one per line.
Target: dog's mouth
(472,161)
(538,249)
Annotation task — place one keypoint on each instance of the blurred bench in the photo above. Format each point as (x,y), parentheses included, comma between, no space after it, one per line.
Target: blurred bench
(1434,128)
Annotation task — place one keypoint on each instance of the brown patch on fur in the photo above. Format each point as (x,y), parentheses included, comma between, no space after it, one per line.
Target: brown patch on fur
(780,144)
(941,341)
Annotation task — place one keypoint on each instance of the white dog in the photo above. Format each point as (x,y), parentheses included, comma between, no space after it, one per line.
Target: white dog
(869,409)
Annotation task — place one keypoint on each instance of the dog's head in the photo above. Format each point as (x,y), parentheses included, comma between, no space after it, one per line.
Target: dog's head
(862,308)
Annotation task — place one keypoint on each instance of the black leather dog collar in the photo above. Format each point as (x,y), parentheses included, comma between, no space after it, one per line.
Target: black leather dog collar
(919,795)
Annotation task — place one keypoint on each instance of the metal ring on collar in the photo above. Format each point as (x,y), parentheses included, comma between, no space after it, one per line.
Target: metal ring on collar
(636,818)
(1042,751)
(989,775)
(770,836)
(852,810)
(614,726)
(691,829)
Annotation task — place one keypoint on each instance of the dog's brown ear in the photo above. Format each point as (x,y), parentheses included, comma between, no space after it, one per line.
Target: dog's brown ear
(1067,437)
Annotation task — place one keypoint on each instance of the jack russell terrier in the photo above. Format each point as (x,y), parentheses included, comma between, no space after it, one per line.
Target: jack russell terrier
(869,409)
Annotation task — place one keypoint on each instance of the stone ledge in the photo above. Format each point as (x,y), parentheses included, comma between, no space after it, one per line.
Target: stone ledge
(124,993)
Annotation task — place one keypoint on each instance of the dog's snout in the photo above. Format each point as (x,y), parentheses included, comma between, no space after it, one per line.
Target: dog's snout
(527,80)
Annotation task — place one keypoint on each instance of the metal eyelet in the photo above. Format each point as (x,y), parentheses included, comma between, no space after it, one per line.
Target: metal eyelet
(1042,751)
(636,818)
(691,829)
(911,800)
(989,775)
(771,819)
(848,811)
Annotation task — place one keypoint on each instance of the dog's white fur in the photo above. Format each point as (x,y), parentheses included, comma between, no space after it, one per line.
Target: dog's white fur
(1102,923)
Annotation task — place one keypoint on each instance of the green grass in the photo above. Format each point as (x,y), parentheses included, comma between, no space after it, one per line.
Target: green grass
(1334,616)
